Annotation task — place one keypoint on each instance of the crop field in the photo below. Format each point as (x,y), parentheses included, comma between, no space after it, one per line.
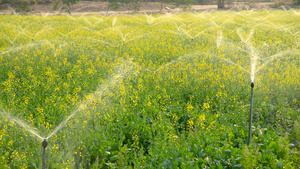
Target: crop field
(150,91)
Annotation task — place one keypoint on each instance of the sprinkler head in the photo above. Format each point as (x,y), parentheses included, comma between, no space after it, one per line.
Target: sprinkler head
(252,85)
(44,143)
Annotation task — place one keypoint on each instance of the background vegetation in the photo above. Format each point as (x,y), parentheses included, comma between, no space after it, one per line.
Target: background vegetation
(23,5)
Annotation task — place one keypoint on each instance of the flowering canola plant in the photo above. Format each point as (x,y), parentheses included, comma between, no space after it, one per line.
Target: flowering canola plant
(183,101)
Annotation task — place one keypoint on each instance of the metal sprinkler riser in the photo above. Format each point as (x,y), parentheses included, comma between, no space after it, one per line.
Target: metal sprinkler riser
(250,115)
(44,144)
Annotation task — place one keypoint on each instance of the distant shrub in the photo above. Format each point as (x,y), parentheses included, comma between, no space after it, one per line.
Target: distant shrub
(296,2)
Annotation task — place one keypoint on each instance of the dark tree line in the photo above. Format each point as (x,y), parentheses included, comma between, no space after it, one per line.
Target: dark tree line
(23,5)
(115,4)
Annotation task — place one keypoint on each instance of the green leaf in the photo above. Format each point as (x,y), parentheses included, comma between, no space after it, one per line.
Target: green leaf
(238,166)
(294,144)
(219,166)
(32,165)
(114,158)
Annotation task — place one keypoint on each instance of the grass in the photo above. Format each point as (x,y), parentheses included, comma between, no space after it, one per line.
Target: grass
(151,91)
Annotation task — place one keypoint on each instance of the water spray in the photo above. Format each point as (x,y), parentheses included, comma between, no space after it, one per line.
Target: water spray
(250,116)
(44,144)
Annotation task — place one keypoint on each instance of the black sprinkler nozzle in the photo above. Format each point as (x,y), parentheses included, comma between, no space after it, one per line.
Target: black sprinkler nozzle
(44,143)
(252,85)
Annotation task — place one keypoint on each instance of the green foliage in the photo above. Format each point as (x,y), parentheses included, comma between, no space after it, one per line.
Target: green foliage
(297,130)
(150,91)
(250,157)
(267,153)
